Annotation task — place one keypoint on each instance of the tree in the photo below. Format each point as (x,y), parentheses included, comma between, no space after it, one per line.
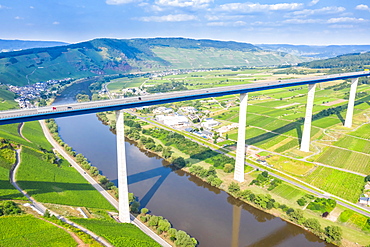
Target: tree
(179,162)
(164,225)
(183,239)
(367,178)
(228,168)
(234,187)
(296,215)
(333,233)
(313,224)
(144,211)
(227,136)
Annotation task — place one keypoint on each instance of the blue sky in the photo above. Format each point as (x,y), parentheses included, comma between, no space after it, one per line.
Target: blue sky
(315,22)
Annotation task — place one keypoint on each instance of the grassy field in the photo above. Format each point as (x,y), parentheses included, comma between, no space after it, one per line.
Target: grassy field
(56,184)
(294,167)
(346,185)
(33,132)
(26,230)
(119,234)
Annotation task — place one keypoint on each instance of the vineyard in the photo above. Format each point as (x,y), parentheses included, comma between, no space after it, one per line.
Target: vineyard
(119,234)
(26,230)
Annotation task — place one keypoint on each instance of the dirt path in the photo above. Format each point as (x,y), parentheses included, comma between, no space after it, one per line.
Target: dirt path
(20,129)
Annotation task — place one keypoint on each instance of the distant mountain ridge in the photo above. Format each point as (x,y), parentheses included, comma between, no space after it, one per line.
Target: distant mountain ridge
(14,45)
(119,56)
(315,51)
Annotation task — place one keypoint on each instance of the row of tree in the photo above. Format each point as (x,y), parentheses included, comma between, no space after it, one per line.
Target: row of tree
(329,233)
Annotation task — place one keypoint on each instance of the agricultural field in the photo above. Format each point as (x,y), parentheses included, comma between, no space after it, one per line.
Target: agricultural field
(362,132)
(294,167)
(57,183)
(355,144)
(33,132)
(119,234)
(346,159)
(288,192)
(345,185)
(353,219)
(7,191)
(26,230)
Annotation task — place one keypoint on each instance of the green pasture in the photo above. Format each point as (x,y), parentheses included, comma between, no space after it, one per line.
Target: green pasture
(58,184)
(118,234)
(26,230)
(354,219)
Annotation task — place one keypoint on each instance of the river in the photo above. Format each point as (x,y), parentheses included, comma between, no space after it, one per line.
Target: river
(210,215)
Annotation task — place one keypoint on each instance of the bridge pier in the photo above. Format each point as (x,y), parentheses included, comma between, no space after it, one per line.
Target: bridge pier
(306,135)
(240,146)
(123,202)
(351,103)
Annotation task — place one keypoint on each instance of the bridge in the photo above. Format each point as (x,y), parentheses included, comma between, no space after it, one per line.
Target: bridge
(32,114)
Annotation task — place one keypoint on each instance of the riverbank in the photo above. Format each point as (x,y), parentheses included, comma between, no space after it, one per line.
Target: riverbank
(260,193)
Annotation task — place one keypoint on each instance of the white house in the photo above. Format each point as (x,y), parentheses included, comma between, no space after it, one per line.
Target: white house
(365,200)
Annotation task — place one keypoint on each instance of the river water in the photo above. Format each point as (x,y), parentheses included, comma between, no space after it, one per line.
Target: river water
(210,215)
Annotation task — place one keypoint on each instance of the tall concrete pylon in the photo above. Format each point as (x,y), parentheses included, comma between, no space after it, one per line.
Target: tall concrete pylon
(240,146)
(306,135)
(123,203)
(351,103)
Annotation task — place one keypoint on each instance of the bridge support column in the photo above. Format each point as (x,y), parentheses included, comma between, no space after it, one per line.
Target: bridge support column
(351,103)
(240,146)
(306,136)
(123,203)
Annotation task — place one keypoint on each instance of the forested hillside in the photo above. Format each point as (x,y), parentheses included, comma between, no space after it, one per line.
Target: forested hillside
(349,62)
(120,56)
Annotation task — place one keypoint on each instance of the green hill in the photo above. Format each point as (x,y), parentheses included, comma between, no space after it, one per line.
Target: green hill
(119,56)
(348,61)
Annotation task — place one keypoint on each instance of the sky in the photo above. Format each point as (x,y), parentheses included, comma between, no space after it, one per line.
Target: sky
(310,22)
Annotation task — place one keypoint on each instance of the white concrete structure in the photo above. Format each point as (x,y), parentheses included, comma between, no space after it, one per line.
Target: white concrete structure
(305,143)
(209,123)
(173,121)
(240,147)
(123,206)
(351,103)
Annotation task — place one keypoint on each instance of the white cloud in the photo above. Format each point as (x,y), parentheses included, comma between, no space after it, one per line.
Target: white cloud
(313,2)
(31,7)
(257,7)
(362,7)
(18,18)
(169,18)
(303,21)
(227,24)
(223,17)
(118,2)
(346,19)
(56,23)
(184,3)
(325,10)
(341,26)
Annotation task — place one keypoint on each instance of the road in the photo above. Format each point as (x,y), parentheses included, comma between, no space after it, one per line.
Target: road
(96,185)
(31,114)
